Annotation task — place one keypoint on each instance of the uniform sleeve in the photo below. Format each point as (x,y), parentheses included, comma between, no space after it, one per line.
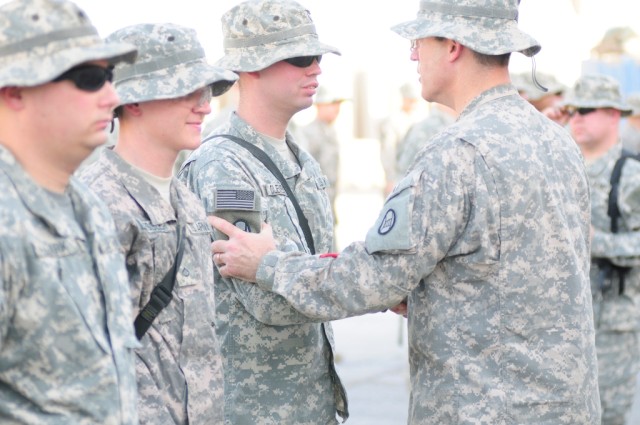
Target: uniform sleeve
(227,172)
(623,248)
(440,209)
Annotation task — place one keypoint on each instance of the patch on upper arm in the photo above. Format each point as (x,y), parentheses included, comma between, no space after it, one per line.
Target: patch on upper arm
(241,207)
(392,231)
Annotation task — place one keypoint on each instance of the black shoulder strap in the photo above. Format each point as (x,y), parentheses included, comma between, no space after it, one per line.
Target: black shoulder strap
(267,162)
(162,293)
(613,211)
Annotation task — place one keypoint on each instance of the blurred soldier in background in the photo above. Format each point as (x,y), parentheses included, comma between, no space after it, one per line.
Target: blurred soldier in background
(630,133)
(66,338)
(320,139)
(278,363)
(394,128)
(162,226)
(540,99)
(595,106)
(487,235)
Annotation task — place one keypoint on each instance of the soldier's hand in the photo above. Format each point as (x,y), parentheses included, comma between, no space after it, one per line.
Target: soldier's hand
(240,255)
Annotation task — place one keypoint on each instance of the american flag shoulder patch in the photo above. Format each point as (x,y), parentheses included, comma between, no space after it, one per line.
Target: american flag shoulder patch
(232,199)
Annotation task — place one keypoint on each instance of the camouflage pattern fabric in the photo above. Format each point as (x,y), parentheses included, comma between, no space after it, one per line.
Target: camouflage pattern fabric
(596,91)
(41,39)
(321,141)
(488,235)
(277,362)
(171,63)
(66,336)
(617,317)
(418,136)
(179,368)
(259,33)
(485,26)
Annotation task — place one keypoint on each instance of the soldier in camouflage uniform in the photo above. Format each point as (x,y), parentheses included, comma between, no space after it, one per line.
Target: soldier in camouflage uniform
(419,134)
(165,96)
(278,363)
(487,234)
(65,336)
(596,106)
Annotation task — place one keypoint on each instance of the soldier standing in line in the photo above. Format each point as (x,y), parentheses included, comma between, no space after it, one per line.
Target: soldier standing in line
(278,364)
(162,226)
(66,339)
(595,106)
(487,235)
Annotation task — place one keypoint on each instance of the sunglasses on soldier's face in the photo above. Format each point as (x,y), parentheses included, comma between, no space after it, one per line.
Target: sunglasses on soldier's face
(581,111)
(89,78)
(303,61)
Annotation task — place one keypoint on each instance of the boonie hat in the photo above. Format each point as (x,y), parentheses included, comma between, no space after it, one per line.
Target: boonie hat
(259,33)
(326,95)
(41,39)
(633,100)
(485,26)
(171,63)
(596,91)
(524,84)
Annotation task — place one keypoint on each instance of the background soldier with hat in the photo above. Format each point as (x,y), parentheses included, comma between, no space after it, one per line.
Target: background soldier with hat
(487,235)
(65,328)
(595,106)
(162,225)
(278,363)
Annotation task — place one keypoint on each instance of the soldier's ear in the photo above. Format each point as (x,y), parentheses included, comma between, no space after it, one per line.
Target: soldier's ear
(12,97)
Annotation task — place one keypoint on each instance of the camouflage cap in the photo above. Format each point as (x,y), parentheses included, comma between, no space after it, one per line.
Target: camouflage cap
(171,63)
(41,39)
(633,100)
(524,83)
(259,33)
(596,91)
(485,26)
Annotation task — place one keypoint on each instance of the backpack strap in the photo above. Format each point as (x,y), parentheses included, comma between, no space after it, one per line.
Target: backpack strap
(162,293)
(267,162)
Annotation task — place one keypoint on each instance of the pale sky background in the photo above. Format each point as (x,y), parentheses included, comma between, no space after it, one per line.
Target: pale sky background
(360,29)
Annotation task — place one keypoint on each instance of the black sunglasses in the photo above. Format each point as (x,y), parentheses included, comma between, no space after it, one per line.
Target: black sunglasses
(581,111)
(303,61)
(87,77)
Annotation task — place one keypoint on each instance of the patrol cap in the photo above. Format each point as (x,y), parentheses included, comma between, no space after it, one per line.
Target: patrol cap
(259,33)
(633,100)
(171,63)
(596,91)
(41,39)
(485,26)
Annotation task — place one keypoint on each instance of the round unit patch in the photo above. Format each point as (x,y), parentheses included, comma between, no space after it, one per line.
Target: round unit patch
(242,225)
(388,222)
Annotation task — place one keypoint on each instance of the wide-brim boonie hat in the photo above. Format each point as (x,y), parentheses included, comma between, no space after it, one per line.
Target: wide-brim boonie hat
(259,33)
(41,39)
(486,26)
(596,91)
(633,100)
(171,63)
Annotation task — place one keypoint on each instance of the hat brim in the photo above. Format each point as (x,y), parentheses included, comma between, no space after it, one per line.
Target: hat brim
(34,69)
(250,59)
(483,35)
(598,104)
(173,82)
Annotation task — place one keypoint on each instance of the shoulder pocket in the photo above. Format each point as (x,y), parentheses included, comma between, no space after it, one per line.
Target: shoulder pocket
(392,231)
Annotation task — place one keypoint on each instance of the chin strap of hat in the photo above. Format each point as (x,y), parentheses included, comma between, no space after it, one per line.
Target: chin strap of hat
(533,76)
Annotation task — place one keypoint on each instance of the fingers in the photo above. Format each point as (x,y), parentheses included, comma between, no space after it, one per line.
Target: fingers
(223,225)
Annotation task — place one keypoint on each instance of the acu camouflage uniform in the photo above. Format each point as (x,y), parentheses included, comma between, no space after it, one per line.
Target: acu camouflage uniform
(488,235)
(278,364)
(616,309)
(65,336)
(178,367)
(65,328)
